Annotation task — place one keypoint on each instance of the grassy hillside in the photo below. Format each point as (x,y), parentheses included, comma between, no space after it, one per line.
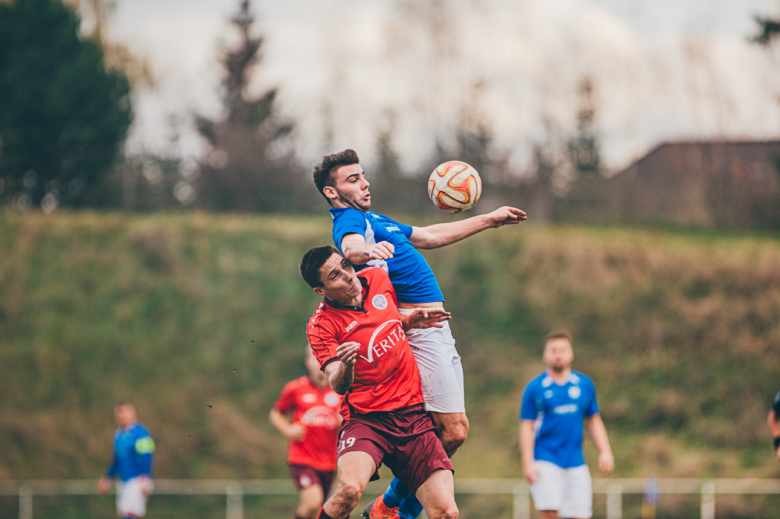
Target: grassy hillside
(681,333)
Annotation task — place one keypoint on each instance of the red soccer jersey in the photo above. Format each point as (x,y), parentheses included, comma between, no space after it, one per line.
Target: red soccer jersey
(318,411)
(386,375)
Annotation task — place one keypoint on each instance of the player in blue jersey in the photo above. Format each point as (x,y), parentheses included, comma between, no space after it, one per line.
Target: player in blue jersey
(132,464)
(774,424)
(554,406)
(366,238)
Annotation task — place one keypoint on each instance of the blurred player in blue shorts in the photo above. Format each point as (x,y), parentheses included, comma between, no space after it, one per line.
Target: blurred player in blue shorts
(365,239)
(774,424)
(132,464)
(554,406)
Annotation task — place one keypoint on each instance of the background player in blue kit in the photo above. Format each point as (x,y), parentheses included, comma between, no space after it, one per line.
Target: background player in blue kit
(554,406)
(366,238)
(774,424)
(132,464)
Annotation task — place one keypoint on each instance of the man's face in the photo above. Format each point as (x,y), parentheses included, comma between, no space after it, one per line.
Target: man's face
(124,415)
(340,283)
(558,354)
(351,188)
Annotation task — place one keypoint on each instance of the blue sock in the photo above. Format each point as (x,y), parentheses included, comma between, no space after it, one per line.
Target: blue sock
(410,507)
(395,493)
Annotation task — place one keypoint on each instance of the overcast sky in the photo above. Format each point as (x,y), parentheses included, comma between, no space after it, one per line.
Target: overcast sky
(180,39)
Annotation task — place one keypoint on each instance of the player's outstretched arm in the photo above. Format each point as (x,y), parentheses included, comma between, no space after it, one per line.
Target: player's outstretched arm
(291,431)
(441,234)
(358,252)
(598,432)
(527,450)
(425,318)
(341,373)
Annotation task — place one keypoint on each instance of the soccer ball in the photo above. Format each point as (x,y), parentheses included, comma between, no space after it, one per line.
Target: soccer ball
(454,187)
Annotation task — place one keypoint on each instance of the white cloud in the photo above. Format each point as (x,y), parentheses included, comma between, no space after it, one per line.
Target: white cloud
(361,58)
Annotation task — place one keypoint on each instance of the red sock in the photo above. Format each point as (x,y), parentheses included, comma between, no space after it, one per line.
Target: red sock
(323,515)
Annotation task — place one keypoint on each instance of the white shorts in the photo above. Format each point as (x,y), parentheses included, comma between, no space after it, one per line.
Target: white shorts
(130,497)
(567,491)
(441,373)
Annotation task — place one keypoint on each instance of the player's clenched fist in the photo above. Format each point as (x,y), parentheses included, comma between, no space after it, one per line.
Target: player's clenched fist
(104,485)
(348,352)
(383,250)
(606,463)
(531,473)
(296,432)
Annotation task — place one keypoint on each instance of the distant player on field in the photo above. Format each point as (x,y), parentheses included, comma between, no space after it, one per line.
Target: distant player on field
(774,424)
(366,238)
(551,416)
(312,431)
(132,464)
(359,339)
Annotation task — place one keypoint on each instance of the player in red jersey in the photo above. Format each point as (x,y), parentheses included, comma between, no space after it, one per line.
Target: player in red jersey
(358,337)
(312,431)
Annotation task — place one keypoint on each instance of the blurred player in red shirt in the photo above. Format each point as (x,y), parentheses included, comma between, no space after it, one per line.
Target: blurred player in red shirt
(313,432)
(359,339)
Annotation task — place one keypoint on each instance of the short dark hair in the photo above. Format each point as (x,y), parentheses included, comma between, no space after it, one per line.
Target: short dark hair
(559,334)
(329,164)
(313,261)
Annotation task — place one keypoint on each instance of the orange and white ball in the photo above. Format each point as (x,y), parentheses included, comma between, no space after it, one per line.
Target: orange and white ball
(454,187)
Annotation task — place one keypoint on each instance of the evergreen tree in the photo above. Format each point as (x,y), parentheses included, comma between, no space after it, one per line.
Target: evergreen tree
(388,168)
(584,146)
(586,196)
(63,115)
(252,166)
(768,30)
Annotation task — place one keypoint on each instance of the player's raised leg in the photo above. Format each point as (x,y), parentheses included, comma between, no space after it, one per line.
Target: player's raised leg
(437,496)
(453,429)
(355,471)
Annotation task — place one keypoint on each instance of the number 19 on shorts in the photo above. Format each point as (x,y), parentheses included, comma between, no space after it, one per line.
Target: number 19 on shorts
(349,442)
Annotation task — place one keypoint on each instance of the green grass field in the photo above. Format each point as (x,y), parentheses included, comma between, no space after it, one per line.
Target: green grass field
(679,330)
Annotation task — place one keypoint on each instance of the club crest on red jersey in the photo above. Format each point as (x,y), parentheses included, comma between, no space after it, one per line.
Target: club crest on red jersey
(379,301)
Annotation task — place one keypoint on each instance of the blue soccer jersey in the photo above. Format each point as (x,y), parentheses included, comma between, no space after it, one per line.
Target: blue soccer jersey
(133,453)
(559,410)
(412,277)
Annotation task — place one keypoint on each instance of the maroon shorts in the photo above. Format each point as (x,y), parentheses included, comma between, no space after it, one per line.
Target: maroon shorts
(304,476)
(404,440)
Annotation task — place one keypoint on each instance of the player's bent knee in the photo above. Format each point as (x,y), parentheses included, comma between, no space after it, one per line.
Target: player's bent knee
(450,512)
(455,436)
(460,432)
(350,494)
